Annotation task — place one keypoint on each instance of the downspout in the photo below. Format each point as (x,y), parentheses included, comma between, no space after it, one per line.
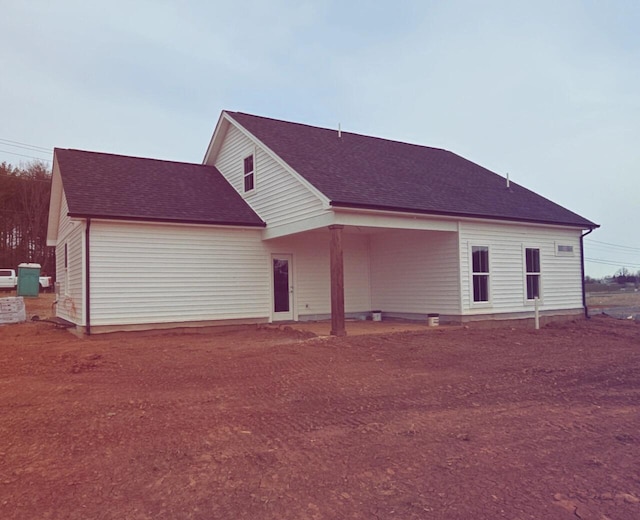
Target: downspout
(584,289)
(87,269)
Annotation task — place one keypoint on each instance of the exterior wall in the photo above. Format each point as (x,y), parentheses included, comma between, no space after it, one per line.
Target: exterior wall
(561,278)
(70,304)
(278,197)
(144,273)
(312,277)
(415,272)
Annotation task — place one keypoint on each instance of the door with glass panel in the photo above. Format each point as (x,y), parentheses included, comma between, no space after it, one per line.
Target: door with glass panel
(282,288)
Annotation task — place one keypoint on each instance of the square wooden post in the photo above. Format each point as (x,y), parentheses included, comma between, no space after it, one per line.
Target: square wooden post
(337,282)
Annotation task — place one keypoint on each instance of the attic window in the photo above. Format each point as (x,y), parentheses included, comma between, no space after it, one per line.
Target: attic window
(249,174)
(564,250)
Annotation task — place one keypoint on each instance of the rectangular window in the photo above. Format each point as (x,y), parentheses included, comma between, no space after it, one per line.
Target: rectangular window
(480,265)
(67,289)
(532,261)
(564,250)
(249,177)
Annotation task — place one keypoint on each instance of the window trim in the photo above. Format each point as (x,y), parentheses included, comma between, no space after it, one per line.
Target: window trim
(252,173)
(527,273)
(472,274)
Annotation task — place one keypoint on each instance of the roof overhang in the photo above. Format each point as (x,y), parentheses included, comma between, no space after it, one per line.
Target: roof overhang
(367,207)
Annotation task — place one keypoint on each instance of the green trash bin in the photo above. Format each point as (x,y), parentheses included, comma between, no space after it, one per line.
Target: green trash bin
(28,279)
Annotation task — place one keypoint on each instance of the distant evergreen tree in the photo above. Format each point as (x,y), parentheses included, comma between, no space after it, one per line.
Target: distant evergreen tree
(24,211)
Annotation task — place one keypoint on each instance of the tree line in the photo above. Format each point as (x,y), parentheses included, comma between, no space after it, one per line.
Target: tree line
(622,276)
(24,211)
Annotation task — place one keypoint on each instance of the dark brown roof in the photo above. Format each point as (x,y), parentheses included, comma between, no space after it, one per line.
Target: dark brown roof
(122,187)
(368,172)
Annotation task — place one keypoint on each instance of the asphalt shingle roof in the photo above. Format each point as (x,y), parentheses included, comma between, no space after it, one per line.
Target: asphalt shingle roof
(368,172)
(122,187)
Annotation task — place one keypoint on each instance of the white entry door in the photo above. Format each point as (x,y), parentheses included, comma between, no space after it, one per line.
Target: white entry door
(282,304)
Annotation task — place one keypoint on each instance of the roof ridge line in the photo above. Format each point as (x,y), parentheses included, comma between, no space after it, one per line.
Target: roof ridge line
(341,131)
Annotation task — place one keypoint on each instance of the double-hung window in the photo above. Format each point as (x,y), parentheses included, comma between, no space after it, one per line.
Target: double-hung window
(480,266)
(532,263)
(249,174)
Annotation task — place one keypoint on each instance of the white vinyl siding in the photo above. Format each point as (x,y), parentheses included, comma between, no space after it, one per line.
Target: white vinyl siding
(278,197)
(415,272)
(561,275)
(152,273)
(65,223)
(70,304)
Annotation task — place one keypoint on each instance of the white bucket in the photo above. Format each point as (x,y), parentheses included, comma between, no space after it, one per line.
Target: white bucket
(376,315)
(433,320)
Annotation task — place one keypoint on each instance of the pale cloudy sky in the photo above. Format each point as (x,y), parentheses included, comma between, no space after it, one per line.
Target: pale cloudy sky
(548,91)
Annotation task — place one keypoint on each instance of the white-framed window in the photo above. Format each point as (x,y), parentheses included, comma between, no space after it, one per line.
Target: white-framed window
(480,274)
(532,272)
(249,173)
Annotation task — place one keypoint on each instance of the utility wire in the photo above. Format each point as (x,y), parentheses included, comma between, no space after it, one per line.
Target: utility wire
(617,246)
(22,145)
(612,262)
(27,156)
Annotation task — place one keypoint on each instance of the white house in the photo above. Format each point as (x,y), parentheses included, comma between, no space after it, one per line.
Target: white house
(285,221)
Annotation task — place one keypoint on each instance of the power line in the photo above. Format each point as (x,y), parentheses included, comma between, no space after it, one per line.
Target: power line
(27,156)
(22,145)
(611,262)
(617,246)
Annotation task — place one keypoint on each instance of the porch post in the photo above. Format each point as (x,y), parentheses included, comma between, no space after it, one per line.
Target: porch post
(337,282)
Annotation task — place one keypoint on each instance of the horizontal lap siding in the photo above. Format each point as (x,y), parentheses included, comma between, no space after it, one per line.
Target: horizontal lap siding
(65,224)
(279,198)
(146,273)
(560,275)
(415,272)
(312,278)
(70,304)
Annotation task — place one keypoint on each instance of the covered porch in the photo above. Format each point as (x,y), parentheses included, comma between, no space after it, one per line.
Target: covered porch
(344,271)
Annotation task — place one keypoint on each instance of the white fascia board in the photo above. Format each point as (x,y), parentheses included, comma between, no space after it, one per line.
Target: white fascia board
(308,224)
(450,218)
(502,222)
(321,196)
(216,141)
(55,203)
(172,224)
(393,220)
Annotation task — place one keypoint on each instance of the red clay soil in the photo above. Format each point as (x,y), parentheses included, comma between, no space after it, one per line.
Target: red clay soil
(272,424)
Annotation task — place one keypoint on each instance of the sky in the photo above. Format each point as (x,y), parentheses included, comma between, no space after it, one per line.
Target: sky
(546,91)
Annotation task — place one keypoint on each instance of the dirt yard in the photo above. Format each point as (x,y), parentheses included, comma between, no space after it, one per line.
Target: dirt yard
(447,423)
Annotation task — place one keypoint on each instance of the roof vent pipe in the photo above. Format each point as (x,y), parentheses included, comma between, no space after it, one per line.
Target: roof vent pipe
(508,184)
(339,131)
